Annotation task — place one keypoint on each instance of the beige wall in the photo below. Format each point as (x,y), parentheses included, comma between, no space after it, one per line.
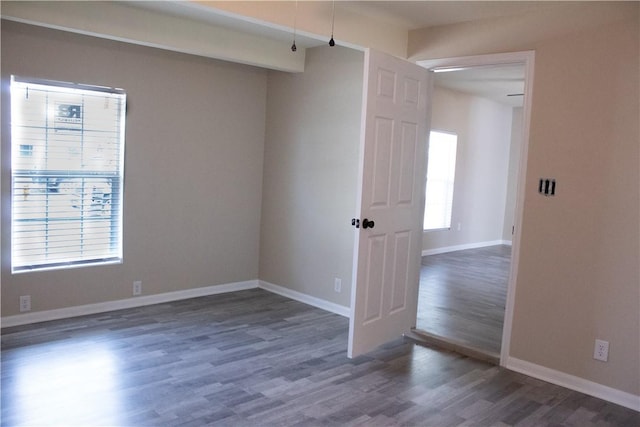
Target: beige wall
(310,174)
(193,179)
(578,276)
(482,162)
(579,272)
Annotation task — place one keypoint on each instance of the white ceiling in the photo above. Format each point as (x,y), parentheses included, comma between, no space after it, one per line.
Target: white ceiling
(500,83)
(491,82)
(413,15)
(494,82)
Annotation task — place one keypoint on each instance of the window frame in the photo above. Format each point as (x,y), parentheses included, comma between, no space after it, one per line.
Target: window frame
(47,181)
(448,203)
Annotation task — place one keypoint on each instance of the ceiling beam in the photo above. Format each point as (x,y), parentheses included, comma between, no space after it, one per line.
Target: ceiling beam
(122,22)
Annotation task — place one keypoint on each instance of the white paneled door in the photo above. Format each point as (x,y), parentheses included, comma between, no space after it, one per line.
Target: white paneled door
(391,201)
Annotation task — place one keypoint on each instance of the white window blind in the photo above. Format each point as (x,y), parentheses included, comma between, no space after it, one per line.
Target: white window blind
(441,169)
(67,168)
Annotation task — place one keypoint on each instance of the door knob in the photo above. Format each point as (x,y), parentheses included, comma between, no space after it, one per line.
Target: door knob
(367,224)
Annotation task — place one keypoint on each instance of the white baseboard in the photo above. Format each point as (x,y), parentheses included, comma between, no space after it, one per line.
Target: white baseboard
(426,252)
(307,299)
(102,307)
(572,382)
(82,310)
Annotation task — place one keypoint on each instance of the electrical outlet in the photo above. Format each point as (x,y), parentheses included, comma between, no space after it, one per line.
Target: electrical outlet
(137,288)
(337,285)
(601,350)
(25,303)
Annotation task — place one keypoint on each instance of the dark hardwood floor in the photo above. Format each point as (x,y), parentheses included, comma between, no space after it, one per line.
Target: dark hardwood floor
(256,358)
(463,296)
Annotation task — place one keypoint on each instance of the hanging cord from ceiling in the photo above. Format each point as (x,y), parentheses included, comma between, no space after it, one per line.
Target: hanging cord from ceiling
(295,22)
(333,21)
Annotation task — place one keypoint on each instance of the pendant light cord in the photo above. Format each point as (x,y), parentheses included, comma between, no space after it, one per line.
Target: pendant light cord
(295,23)
(333,21)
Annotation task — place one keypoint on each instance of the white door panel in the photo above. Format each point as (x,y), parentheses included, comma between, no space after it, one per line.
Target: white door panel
(393,154)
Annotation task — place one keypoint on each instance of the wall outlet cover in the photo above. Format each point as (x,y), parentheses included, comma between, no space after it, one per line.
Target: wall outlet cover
(601,350)
(137,288)
(25,303)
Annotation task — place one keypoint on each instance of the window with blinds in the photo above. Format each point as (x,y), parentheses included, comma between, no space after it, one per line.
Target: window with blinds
(67,169)
(441,170)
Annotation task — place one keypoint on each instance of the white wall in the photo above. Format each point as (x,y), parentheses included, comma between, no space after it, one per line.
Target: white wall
(193,167)
(515,151)
(310,174)
(482,168)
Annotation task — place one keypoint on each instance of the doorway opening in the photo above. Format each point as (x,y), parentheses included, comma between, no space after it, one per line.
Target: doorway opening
(467,278)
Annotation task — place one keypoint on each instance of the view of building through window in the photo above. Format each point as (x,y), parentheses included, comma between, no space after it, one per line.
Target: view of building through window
(67,169)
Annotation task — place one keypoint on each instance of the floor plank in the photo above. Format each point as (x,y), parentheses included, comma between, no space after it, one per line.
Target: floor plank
(463,295)
(253,358)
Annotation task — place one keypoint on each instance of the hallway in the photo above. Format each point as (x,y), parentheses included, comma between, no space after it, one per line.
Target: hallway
(463,294)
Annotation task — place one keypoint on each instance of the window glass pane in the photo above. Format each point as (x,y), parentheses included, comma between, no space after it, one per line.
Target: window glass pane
(67,169)
(441,168)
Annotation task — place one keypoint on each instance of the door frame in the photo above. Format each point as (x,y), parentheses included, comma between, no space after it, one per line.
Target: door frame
(527,58)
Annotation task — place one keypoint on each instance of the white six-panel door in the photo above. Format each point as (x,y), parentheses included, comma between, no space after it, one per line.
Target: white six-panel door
(391,194)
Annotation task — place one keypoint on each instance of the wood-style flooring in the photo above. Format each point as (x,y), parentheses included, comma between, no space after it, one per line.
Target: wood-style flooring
(253,358)
(463,296)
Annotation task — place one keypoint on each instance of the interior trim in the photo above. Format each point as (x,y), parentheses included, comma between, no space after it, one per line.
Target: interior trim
(426,252)
(307,299)
(83,310)
(528,59)
(572,382)
(102,307)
